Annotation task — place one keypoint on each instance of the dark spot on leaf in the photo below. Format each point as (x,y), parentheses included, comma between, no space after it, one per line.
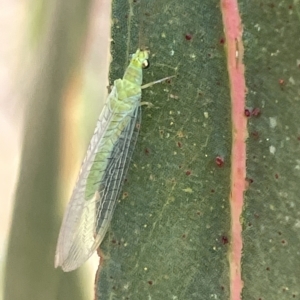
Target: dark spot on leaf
(188,37)
(276,176)
(147,151)
(183,236)
(222,41)
(212,190)
(256,112)
(179,144)
(224,240)
(219,161)
(268,269)
(255,134)
(188,173)
(247,112)
(150,282)
(249,180)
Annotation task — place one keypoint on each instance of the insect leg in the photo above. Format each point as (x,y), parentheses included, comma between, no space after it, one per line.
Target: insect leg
(154,82)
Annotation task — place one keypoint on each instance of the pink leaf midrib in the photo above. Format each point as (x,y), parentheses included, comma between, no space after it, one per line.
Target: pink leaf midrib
(233,35)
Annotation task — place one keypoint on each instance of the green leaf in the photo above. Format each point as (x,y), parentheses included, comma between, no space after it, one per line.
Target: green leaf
(173,235)
(271,261)
(168,237)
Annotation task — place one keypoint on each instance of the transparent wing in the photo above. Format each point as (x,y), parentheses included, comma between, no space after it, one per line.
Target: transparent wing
(76,206)
(86,221)
(111,185)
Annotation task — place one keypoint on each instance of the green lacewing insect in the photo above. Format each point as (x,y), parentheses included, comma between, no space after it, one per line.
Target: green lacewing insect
(104,168)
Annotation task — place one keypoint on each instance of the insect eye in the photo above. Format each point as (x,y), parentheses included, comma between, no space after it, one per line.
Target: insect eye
(146,64)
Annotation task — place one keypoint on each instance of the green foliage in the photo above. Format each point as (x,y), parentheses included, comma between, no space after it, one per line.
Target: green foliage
(271,262)
(168,235)
(168,238)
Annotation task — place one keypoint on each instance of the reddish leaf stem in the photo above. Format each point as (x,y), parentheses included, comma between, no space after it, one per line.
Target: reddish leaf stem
(233,37)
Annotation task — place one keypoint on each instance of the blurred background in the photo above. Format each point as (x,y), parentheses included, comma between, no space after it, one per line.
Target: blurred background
(53,75)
